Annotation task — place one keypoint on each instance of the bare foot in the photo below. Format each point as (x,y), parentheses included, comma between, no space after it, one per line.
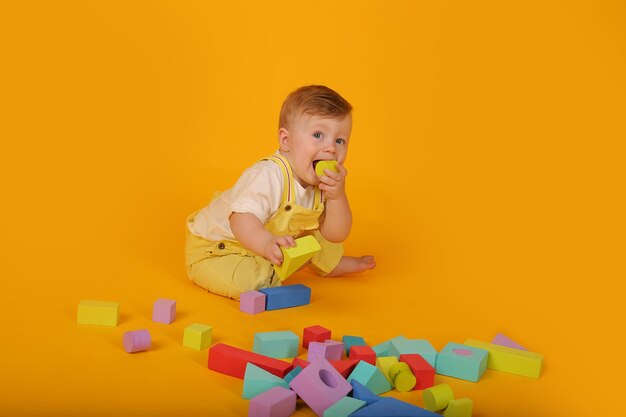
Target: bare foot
(352,264)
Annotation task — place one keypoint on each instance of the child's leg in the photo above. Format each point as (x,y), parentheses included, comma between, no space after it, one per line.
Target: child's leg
(230,275)
(352,264)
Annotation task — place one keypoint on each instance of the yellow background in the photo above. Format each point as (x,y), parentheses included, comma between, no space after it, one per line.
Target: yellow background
(486,176)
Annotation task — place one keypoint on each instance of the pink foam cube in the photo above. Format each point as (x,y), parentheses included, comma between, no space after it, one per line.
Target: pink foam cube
(320,385)
(164,311)
(252,302)
(275,402)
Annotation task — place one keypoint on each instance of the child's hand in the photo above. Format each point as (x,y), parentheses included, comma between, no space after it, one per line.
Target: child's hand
(272,250)
(334,183)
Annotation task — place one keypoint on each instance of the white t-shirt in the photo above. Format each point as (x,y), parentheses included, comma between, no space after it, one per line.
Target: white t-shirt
(258,191)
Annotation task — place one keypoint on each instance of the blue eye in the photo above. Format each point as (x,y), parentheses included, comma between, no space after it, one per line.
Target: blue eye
(340,141)
(317,135)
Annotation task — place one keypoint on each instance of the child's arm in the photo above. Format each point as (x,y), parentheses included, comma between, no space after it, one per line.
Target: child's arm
(250,232)
(338,220)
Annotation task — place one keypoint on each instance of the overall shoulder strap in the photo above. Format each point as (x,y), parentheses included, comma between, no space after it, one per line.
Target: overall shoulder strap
(289,190)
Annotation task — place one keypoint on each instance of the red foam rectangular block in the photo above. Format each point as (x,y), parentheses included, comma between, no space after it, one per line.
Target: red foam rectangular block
(232,361)
(363,353)
(300,362)
(423,371)
(345,366)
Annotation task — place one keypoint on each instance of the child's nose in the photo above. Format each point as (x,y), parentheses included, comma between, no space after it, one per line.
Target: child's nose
(330,147)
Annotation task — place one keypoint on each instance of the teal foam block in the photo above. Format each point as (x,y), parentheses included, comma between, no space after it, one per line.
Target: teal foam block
(382,349)
(370,376)
(286,296)
(391,407)
(422,347)
(292,374)
(349,341)
(360,392)
(281,344)
(257,381)
(461,361)
(344,407)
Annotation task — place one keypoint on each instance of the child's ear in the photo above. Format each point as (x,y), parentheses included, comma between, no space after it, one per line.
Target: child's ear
(283,139)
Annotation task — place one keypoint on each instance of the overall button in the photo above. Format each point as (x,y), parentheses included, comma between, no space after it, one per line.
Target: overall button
(221,245)
(287,207)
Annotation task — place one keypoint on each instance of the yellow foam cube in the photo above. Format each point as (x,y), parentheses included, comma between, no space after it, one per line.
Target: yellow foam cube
(322,165)
(197,336)
(295,257)
(513,361)
(100,313)
(459,408)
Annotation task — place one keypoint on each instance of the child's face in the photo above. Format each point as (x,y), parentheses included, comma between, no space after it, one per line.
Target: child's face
(313,138)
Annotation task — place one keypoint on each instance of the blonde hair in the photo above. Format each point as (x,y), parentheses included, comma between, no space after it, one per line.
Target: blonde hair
(317,100)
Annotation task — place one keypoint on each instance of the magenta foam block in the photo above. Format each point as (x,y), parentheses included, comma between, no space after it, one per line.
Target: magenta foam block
(164,311)
(320,385)
(136,341)
(330,350)
(275,402)
(502,340)
(252,302)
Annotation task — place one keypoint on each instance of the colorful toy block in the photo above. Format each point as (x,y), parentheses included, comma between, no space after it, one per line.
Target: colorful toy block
(296,256)
(292,374)
(344,407)
(322,165)
(382,349)
(232,361)
(315,333)
(363,353)
(345,366)
(401,377)
(320,385)
(384,363)
(330,350)
(275,402)
(462,361)
(286,296)
(360,392)
(136,341)
(502,340)
(257,380)
(459,408)
(370,376)
(252,302)
(350,341)
(437,397)
(197,336)
(300,362)
(99,313)
(392,407)
(282,344)
(423,371)
(164,311)
(420,346)
(514,361)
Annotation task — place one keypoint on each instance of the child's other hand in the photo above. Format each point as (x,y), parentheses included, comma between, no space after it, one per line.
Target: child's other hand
(272,248)
(334,183)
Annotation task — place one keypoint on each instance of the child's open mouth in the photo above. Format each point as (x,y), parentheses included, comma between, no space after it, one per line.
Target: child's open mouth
(315,163)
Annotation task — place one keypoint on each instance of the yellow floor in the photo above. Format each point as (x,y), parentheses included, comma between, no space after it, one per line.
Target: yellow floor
(486,174)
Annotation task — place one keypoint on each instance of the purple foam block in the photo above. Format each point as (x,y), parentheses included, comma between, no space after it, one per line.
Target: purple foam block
(502,340)
(164,311)
(275,402)
(136,341)
(334,350)
(320,385)
(252,302)
(316,350)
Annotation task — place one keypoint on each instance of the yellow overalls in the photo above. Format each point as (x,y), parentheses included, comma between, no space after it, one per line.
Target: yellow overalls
(227,268)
